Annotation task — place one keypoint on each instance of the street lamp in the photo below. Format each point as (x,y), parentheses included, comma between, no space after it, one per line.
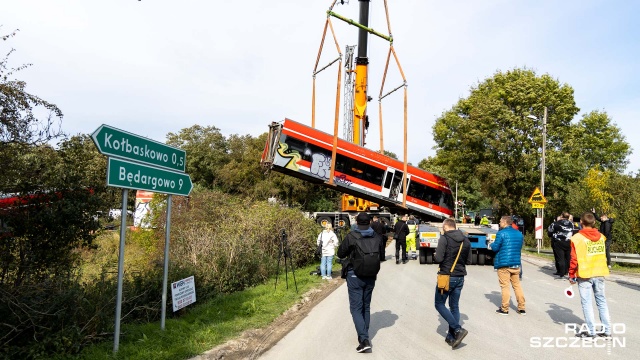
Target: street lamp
(542,165)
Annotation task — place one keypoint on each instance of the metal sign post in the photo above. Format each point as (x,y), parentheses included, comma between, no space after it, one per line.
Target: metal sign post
(166,264)
(123,229)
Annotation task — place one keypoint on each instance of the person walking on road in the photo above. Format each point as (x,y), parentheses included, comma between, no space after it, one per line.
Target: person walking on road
(560,232)
(361,246)
(453,247)
(329,242)
(379,228)
(606,224)
(507,260)
(588,268)
(401,231)
(485,221)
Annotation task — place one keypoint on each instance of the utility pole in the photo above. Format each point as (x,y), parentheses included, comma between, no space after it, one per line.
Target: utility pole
(544,145)
(456,200)
(540,211)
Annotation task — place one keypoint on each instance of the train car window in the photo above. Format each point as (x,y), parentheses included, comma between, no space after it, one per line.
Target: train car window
(429,194)
(447,201)
(360,170)
(296,145)
(303,148)
(387,180)
(374,175)
(397,181)
(416,190)
(340,163)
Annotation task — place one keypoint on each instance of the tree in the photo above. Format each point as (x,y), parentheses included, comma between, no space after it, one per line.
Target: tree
(207,152)
(490,138)
(389,154)
(242,170)
(617,195)
(20,126)
(494,136)
(60,192)
(18,122)
(599,143)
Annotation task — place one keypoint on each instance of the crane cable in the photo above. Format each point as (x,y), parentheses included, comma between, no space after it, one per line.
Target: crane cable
(313,100)
(381,96)
(329,25)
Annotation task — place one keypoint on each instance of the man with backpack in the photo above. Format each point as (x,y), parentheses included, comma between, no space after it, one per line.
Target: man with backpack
(362,247)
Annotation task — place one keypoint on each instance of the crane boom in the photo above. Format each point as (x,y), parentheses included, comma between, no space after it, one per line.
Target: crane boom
(360,98)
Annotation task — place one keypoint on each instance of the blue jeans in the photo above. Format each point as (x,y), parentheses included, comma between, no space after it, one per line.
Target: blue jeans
(360,290)
(325,265)
(451,315)
(594,286)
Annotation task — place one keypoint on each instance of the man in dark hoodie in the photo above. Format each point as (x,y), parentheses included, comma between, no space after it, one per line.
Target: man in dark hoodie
(560,233)
(360,288)
(379,228)
(452,243)
(606,224)
(588,268)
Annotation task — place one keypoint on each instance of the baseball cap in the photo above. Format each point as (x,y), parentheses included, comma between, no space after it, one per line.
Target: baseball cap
(363,219)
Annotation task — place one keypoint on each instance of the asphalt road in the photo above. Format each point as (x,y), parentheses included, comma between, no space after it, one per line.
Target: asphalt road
(405,324)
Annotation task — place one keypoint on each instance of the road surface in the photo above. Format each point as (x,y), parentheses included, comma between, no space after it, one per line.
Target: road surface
(405,325)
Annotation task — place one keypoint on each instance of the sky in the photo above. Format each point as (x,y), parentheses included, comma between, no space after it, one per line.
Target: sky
(154,67)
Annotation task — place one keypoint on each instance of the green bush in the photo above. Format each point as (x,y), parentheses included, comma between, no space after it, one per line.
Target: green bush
(63,315)
(228,243)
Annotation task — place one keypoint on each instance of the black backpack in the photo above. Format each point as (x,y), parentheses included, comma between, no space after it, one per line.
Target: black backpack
(365,258)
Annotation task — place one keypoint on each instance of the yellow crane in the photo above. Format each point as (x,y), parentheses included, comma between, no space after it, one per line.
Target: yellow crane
(356,120)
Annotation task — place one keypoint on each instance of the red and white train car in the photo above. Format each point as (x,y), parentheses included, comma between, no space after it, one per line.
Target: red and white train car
(304,152)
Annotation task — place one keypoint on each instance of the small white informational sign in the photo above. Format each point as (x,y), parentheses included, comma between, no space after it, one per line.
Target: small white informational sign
(183,293)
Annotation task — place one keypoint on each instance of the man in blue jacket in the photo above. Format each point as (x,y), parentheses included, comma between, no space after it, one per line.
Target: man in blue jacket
(507,261)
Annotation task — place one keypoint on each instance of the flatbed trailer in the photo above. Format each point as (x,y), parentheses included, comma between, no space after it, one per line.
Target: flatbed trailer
(479,236)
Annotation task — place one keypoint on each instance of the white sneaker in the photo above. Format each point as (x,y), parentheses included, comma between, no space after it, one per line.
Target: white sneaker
(329,278)
(324,278)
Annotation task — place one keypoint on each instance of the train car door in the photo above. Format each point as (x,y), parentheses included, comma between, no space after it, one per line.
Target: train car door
(392,186)
(386,183)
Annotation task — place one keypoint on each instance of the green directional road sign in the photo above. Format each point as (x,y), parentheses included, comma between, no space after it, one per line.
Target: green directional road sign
(122,144)
(131,175)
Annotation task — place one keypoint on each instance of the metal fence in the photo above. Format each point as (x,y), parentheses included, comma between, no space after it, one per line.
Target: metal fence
(615,257)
